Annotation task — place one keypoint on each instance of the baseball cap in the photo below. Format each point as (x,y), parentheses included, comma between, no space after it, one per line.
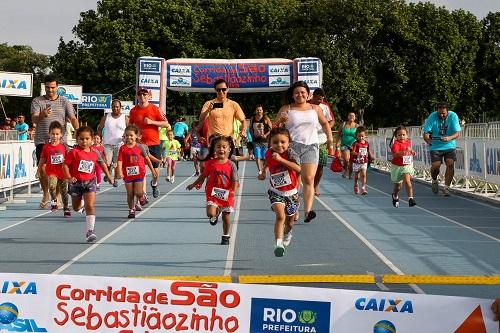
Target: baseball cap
(319,92)
(142,89)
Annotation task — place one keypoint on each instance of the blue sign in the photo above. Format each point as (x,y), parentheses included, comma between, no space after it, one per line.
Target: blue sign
(150,66)
(308,67)
(95,101)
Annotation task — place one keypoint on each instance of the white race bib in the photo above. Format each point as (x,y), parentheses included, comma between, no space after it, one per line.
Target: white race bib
(363,151)
(220,193)
(86,166)
(173,152)
(280,179)
(132,170)
(56,159)
(407,159)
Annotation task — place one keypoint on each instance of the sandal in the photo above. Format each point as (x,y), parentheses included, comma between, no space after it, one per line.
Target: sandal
(309,216)
(43,204)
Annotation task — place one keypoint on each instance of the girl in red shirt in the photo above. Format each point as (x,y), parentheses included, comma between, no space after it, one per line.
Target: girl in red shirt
(221,184)
(100,148)
(402,165)
(52,159)
(132,160)
(79,171)
(283,165)
(360,152)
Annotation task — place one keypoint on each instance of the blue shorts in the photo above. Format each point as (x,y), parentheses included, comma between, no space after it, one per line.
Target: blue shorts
(78,188)
(259,150)
(131,181)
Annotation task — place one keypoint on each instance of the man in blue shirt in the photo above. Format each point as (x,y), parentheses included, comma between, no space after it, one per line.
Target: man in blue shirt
(180,131)
(441,130)
(22,128)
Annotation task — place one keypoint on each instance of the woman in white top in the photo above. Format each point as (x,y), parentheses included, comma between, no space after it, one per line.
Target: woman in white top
(301,119)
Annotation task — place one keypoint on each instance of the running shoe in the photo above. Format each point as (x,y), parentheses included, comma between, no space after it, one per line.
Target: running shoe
(279,250)
(143,200)
(131,214)
(356,189)
(115,183)
(53,205)
(67,212)
(156,190)
(435,186)
(167,179)
(395,201)
(172,179)
(138,207)
(224,240)
(446,191)
(90,236)
(287,238)
(412,202)
(214,220)
(364,191)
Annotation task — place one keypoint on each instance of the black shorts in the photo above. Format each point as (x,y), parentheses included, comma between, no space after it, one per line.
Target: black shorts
(443,155)
(38,149)
(180,139)
(156,152)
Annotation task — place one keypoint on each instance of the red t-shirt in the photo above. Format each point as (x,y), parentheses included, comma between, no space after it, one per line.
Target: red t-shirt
(281,178)
(82,164)
(362,150)
(150,135)
(220,182)
(399,146)
(54,157)
(132,158)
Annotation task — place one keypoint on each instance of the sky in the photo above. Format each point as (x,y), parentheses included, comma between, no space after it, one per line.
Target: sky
(40,23)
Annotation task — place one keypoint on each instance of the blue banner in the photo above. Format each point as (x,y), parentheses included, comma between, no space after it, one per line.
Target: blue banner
(95,101)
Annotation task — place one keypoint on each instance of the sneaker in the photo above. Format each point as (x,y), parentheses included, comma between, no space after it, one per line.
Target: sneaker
(90,236)
(287,238)
(167,179)
(364,191)
(446,191)
(279,250)
(172,179)
(115,183)
(156,191)
(224,240)
(412,202)
(53,205)
(131,214)
(67,212)
(105,178)
(435,186)
(143,200)
(214,220)
(356,189)
(138,207)
(395,201)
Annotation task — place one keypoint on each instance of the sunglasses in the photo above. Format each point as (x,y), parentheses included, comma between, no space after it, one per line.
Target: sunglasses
(221,89)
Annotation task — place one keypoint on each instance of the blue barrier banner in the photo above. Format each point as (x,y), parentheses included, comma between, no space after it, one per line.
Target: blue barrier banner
(95,101)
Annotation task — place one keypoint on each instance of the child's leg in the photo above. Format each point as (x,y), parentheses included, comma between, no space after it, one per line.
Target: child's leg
(89,199)
(172,168)
(211,211)
(63,189)
(362,173)
(52,181)
(279,222)
(226,223)
(76,203)
(407,183)
(397,188)
(138,190)
(195,162)
(130,194)
(356,175)
(289,224)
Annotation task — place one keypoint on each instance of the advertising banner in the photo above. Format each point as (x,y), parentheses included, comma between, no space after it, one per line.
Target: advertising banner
(6,166)
(16,84)
(151,75)
(95,101)
(492,148)
(71,92)
(242,75)
(476,158)
(309,70)
(59,303)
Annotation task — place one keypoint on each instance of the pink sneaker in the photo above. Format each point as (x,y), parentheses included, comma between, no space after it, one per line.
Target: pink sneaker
(364,191)
(356,189)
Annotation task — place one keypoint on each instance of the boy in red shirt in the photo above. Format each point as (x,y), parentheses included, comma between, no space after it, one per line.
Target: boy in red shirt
(360,152)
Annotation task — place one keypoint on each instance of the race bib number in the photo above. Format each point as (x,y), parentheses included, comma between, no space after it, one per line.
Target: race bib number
(281,179)
(56,159)
(363,151)
(220,193)
(173,152)
(407,159)
(132,170)
(86,166)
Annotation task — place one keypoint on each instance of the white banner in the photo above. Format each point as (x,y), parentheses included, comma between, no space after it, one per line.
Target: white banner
(475,158)
(6,166)
(17,164)
(58,303)
(16,84)
(71,92)
(492,148)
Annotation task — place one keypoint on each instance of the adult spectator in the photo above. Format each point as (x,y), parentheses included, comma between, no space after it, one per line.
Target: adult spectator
(221,111)
(148,118)
(301,118)
(319,99)
(346,137)
(22,128)
(180,130)
(111,128)
(44,110)
(260,127)
(441,129)
(495,307)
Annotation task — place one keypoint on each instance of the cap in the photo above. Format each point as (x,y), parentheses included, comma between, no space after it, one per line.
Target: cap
(142,89)
(319,92)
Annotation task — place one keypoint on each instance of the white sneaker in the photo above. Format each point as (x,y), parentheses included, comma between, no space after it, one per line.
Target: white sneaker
(287,238)
(168,179)
(172,179)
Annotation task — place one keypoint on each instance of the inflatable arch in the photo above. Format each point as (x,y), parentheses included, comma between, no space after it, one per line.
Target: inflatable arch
(242,75)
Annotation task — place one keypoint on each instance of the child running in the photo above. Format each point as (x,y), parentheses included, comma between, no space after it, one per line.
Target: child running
(132,160)
(195,147)
(359,158)
(221,184)
(52,160)
(171,148)
(402,165)
(283,165)
(79,171)
(98,170)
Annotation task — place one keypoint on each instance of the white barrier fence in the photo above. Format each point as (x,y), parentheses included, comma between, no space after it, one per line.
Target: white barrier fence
(478,155)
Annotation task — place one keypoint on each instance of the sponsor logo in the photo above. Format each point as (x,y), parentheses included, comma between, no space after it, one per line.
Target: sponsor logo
(180,70)
(384,326)
(180,82)
(4,166)
(279,70)
(150,66)
(278,315)
(308,67)
(61,91)
(10,321)
(18,287)
(385,305)
(279,81)
(13,84)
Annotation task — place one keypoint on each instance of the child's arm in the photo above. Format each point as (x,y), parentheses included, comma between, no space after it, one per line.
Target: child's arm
(153,159)
(118,170)
(41,165)
(289,164)
(106,171)
(240,158)
(199,180)
(67,175)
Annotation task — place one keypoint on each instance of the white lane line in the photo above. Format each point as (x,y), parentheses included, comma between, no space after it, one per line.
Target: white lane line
(365,241)
(42,214)
(116,230)
(234,228)
(444,217)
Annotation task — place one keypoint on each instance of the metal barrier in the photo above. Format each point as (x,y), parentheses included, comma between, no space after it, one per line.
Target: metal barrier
(8,135)
(494,130)
(476,130)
